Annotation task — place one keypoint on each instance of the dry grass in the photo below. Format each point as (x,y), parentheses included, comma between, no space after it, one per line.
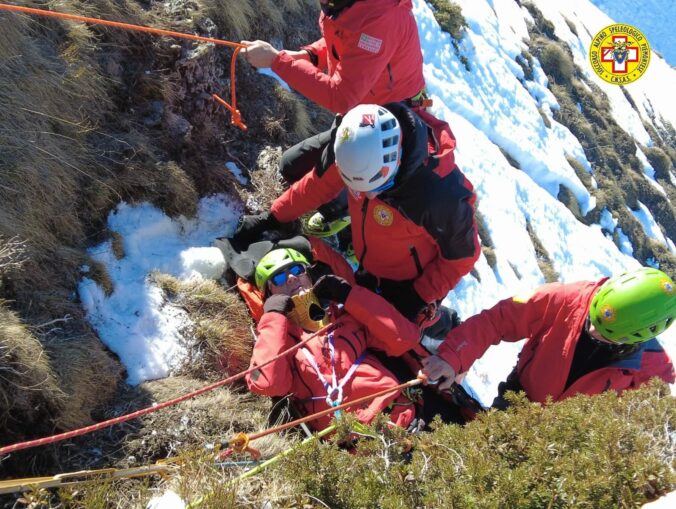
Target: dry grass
(222,332)
(266,182)
(542,256)
(29,388)
(87,373)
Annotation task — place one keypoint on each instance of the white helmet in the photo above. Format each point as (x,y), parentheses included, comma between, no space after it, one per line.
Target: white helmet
(368,147)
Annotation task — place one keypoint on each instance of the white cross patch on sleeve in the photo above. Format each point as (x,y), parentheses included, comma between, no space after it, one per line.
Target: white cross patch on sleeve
(369,43)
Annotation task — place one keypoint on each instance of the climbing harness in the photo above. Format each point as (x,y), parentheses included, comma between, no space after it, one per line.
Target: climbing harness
(238,440)
(334,390)
(232,107)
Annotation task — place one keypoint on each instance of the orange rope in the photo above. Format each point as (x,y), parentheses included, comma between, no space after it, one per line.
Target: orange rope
(236,116)
(241,441)
(139,413)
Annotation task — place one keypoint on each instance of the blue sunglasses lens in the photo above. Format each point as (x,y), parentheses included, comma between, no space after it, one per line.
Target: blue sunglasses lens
(280,278)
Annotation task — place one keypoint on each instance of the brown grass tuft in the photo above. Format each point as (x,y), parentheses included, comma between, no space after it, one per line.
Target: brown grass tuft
(29,390)
(266,182)
(88,374)
(117,245)
(222,333)
(543,259)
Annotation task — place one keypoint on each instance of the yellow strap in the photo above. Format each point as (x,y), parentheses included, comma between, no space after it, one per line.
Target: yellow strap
(31,483)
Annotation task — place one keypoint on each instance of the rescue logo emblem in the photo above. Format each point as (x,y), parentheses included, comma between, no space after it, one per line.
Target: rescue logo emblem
(608,314)
(619,54)
(667,287)
(383,215)
(368,120)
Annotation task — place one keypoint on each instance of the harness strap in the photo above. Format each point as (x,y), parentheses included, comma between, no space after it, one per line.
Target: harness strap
(334,390)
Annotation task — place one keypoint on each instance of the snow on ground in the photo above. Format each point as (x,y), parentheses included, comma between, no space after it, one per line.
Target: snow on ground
(650,226)
(135,321)
(494,113)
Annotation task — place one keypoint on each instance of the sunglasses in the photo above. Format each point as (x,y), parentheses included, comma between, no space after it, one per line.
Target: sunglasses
(282,277)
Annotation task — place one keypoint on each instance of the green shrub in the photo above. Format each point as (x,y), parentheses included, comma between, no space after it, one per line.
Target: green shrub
(449,16)
(602,451)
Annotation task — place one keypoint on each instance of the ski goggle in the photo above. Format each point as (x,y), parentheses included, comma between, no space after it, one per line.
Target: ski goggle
(282,277)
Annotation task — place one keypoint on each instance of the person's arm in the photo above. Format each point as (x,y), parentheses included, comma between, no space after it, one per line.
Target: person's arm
(388,330)
(307,194)
(453,227)
(509,320)
(368,52)
(317,54)
(322,252)
(274,336)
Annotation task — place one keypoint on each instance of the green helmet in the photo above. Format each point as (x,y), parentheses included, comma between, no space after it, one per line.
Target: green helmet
(274,261)
(634,307)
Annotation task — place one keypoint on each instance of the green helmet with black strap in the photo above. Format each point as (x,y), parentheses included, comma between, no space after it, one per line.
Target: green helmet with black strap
(634,307)
(274,261)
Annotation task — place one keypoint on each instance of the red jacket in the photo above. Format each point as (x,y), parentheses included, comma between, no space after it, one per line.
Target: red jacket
(551,319)
(370,53)
(368,322)
(422,230)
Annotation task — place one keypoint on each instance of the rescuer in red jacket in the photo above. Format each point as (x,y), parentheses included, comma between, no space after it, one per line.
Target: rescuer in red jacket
(335,366)
(369,53)
(412,209)
(581,338)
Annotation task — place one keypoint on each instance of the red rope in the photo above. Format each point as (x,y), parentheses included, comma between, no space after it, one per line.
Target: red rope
(145,411)
(236,116)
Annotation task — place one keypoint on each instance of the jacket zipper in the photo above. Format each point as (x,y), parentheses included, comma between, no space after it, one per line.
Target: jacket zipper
(416,259)
(389,72)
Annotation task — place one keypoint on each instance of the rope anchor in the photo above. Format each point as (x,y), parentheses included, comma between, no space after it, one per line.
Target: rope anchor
(232,107)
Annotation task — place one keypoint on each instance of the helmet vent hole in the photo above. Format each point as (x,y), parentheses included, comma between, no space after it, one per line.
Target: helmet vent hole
(653,328)
(391,157)
(388,124)
(668,322)
(392,140)
(637,335)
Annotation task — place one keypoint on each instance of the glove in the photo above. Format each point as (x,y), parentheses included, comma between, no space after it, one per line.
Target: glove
(366,279)
(333,288)
(281,304)
(250,227)
(408,303)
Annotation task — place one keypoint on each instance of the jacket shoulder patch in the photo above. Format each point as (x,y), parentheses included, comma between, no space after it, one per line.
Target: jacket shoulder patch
(369,43)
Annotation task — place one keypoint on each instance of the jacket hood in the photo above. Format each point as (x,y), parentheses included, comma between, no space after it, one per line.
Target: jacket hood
(414,137)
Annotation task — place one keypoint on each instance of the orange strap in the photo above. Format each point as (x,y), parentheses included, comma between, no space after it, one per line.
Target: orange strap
(236,116)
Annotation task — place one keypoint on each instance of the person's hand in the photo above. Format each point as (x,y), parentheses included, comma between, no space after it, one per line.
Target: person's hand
(250,227)
(333,288)
(260,54)
(408,303)
(278,304)
(436,368)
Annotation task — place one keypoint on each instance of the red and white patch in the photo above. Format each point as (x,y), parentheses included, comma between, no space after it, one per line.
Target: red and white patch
(368,43)
(368,120)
